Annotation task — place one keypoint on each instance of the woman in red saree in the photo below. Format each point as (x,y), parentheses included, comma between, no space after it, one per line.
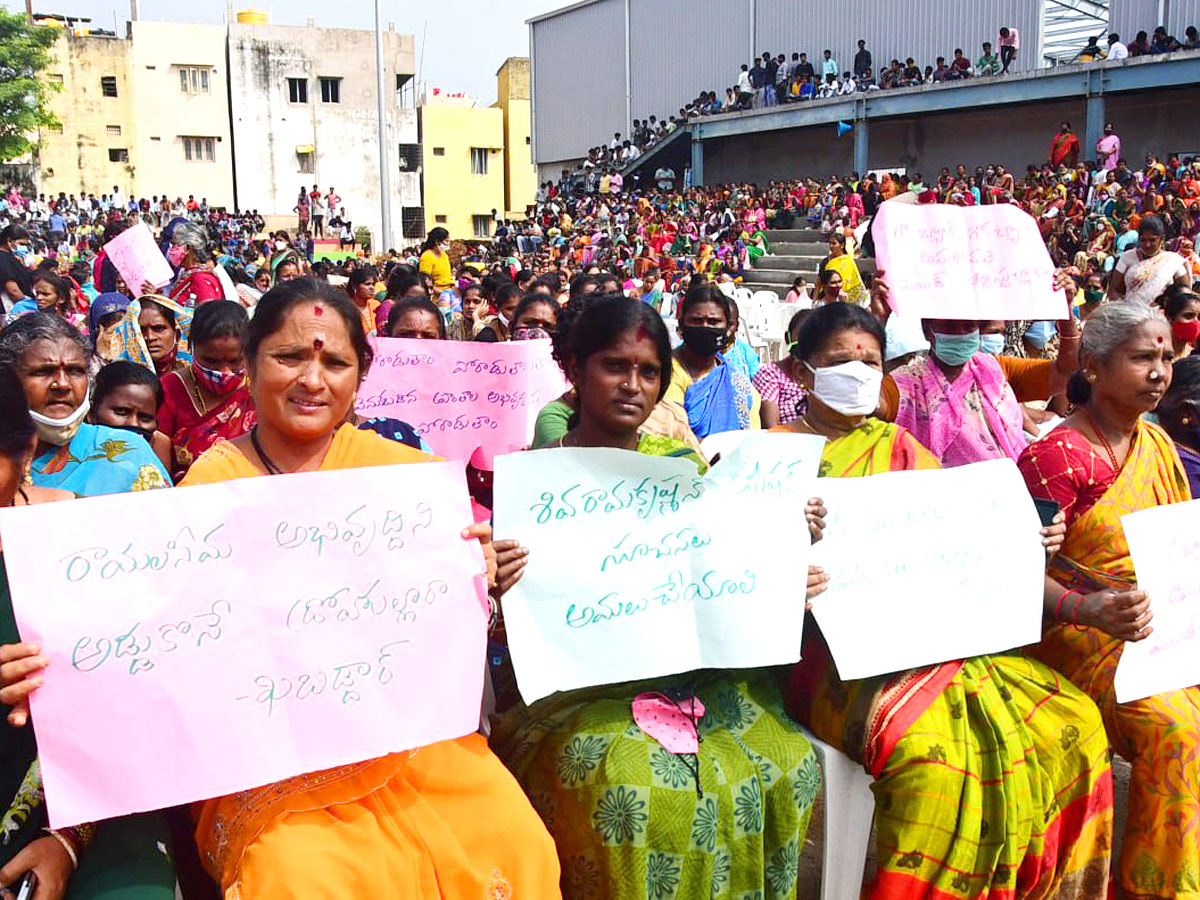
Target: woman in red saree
(1104,462)
(209,401)
(191,254)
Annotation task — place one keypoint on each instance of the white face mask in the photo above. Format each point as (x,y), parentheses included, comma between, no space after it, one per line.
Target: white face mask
(445,248)
(60,431)
(281,245)
(851,388)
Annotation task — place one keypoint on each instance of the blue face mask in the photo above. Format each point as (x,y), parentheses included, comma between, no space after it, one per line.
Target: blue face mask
(992,343)
(956,349)
(1040,334)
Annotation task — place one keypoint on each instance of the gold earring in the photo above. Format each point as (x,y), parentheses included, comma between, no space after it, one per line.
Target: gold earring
(1185,421)
(1091,377)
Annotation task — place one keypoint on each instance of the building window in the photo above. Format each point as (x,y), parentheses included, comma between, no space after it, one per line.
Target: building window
(108,86)
(55,79)
(479,161)
(410,157)
(439,151)
(199,149)
(306,161)
(481,226)
(412,221)
(114,130)
(528,140)
(297,90)
(193,80)
(56,128)
(118,155)
(441,220)
(331,90)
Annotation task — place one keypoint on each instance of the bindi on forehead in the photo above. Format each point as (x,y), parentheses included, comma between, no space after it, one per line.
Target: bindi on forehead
(318,310)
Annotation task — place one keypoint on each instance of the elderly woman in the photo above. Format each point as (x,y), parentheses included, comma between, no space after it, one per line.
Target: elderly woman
(53,362)
(991,773)
(192,255)
(716,395)
(1104,462)
(120,857)
(1145,272)
(447,820)
(630,818)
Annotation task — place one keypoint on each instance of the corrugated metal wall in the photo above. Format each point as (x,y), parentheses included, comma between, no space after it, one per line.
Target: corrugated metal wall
(1128,17)
(681,47)
(679,50)
(578,79)
(924,32)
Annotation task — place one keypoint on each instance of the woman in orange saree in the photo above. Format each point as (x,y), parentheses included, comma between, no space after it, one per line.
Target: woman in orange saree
(1103,463)
(443,821)
(992,777)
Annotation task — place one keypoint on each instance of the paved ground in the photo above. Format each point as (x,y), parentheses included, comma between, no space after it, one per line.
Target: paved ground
(809,885)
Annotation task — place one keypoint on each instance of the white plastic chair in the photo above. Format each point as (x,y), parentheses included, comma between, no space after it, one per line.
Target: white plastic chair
(849,809)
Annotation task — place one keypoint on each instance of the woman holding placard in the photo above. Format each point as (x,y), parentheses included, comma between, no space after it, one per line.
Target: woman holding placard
(446,820)
(1104,462)
(118,857)
(992,773)
(694,785)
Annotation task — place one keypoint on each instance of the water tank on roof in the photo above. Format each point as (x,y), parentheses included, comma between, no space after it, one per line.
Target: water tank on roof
(253,17)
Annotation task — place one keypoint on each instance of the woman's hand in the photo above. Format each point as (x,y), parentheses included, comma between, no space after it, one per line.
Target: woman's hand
(148,287)
(880,294)
(1054,535)
(510,565)
(818,580)
(480,531)
(1125,615)
(815,513)
(1064,280)
(49,861)
(21,667)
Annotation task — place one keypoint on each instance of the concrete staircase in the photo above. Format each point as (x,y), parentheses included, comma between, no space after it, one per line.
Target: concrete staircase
(796,251)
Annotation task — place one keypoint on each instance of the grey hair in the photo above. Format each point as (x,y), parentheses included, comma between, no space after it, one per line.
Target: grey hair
(1111,324)
(195,238)
(21,334)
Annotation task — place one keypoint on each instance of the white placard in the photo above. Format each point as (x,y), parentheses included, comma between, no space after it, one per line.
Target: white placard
(639,567)
(929,566)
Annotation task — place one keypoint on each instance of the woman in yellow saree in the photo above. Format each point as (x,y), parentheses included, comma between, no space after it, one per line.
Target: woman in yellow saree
(842,263)
(1103,463)
(992,777)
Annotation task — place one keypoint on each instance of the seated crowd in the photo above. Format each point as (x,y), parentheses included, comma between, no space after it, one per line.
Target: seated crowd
(992,776)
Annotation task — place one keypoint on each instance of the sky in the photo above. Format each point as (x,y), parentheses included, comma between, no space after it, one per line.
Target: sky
(459,43)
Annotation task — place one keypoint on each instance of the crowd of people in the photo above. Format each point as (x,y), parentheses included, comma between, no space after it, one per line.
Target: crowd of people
(773,79)
(992,775)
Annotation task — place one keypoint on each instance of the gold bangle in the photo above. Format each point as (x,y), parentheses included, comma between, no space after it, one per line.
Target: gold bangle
(66,846)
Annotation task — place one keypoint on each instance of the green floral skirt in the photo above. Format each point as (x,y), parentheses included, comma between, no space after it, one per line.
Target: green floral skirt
(633,820)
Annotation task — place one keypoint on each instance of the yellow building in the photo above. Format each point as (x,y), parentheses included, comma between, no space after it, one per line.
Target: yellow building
(463,165)
(90,151)
(513,98)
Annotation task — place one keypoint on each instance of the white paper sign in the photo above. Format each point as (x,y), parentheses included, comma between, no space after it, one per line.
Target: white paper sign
(638,567)
(1165,545)
(928,566)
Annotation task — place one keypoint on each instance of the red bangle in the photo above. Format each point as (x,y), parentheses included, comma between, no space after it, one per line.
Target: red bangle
(1075,610)
(1058,606)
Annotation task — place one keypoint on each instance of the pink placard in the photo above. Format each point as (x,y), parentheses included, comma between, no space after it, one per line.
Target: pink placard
(138,258)
(460,395)
(205,640)
(974,262)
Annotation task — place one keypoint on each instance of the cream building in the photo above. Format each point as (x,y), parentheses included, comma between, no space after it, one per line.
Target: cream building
(513,99)
(304,113)
(181,112)
(464,171)
(93,148)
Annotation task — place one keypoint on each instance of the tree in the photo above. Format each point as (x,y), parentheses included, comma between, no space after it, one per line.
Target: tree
(23,92)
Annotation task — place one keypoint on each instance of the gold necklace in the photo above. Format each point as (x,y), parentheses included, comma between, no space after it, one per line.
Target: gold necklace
(195,394)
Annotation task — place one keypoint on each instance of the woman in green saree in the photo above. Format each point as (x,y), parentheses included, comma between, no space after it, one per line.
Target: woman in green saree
(120,858)
(992,777)
(631,819)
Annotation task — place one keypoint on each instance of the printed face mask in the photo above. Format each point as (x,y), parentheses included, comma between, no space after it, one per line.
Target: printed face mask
(220,383)
(851,388)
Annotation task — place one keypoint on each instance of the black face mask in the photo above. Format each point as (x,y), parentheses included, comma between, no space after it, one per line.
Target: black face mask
(703,340)
(146,433)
